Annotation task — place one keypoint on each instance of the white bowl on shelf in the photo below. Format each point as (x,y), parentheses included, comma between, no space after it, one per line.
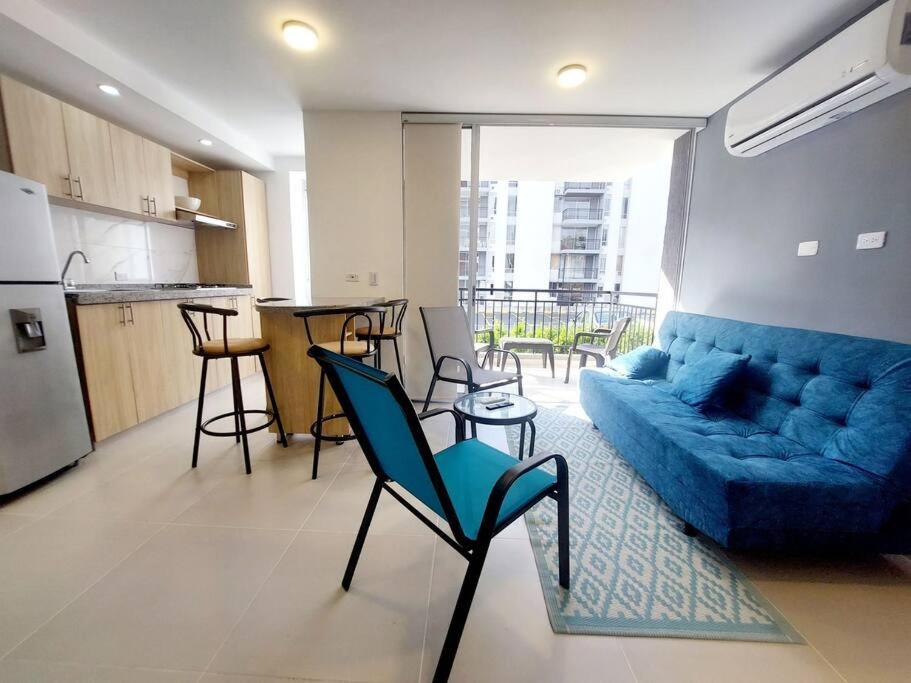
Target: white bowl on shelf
(188,203)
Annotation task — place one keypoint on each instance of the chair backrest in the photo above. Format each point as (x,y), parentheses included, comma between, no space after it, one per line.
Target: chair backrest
(188,312)
(616,334)
(352,315)
(395,313)
(448,334)
(387,429)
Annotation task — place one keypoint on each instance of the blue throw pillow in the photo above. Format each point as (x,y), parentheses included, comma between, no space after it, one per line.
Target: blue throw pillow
(641,363)
(704,381)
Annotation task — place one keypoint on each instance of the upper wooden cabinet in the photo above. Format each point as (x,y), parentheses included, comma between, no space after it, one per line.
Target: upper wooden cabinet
(36,137)
(130,171)
(238,256)
(80,156)
(88,146)
(158,177)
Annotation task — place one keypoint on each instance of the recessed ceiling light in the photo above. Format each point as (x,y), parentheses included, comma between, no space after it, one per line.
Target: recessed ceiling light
(572,75)
(299,35)
(108,89)
(205,142)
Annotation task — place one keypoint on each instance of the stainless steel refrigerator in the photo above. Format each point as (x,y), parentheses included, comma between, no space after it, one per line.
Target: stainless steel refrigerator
(43,425)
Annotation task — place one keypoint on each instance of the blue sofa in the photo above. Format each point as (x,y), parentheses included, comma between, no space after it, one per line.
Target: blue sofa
(810,449)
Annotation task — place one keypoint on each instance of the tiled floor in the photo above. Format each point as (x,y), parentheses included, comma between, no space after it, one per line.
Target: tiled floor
(133,567)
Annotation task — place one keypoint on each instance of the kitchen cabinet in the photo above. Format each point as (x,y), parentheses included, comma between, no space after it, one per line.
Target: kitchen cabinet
(88,146)
(104,341)
(185,366)
(35,136)
(154,378)
(238,256)
(158,179)
(239,327)
(132,192)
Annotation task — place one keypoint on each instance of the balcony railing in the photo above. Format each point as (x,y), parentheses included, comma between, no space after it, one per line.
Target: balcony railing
(584,187)
(584,273)
(558,314)
(580,244)
(577,214)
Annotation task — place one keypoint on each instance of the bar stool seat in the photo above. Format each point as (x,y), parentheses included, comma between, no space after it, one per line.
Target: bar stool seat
(215,348)
(351,348)
(386,333)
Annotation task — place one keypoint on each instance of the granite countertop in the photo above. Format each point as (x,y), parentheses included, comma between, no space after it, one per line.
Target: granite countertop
(314,303)
(116,294)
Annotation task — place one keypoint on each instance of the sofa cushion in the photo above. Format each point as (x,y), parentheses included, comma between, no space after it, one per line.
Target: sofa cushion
(704,381)
(846,398)
(732,478)
(640,363)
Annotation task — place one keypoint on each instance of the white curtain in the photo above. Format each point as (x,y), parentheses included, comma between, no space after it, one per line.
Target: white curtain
(432,162)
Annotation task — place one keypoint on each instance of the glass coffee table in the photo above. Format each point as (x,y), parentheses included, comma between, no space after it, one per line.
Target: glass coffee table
(521,412)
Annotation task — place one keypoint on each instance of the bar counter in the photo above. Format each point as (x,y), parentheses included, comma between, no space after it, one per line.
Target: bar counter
(295,376)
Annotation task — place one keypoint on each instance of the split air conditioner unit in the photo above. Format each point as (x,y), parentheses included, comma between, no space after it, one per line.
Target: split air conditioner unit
(862,64)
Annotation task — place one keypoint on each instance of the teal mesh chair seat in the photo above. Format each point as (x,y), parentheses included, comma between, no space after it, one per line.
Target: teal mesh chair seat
(475,488)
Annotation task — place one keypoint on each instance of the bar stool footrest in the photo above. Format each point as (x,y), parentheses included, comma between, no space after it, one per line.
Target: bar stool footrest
(235,433)
(327,437)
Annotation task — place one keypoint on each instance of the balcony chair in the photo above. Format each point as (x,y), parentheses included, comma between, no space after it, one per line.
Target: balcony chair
(600,352)
(475,488)
(452,353)
(486,345)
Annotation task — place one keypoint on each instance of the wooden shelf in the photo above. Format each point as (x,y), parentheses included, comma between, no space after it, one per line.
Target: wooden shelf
(181,163)
(110,211)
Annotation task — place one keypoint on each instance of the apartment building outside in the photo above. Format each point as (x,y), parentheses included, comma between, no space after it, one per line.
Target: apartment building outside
(567,237)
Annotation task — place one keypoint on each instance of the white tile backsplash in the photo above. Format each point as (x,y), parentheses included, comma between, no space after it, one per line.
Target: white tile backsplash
(140,251)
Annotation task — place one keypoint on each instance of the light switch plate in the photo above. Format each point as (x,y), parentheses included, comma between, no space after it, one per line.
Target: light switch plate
(808,248)
(871,240)
(352,277)
(120,277)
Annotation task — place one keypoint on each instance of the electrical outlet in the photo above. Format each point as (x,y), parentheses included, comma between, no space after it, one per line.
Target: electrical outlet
(871,240)
(374,278)
(352,277)
(808,248)
(120,277)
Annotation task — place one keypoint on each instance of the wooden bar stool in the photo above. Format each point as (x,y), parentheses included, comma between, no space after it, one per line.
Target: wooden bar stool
(395,314)
(212,349)
(359,349)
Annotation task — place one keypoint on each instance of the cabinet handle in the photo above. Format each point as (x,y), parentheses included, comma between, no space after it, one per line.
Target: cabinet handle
(132,321)
(147,209)
(154,207)
(69,182)
(123,315)
(78,181)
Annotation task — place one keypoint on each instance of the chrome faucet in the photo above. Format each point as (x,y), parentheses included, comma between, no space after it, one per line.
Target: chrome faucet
(71,284)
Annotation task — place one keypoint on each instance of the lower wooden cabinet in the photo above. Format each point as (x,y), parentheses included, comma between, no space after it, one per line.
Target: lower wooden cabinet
(138,362)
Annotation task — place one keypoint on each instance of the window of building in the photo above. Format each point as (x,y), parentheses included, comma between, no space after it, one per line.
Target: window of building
(510,263)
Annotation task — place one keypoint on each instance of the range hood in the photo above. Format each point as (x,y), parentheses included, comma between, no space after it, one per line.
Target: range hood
(204,220)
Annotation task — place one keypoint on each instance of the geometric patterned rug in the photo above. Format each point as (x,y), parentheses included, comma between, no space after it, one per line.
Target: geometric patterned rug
(633,571)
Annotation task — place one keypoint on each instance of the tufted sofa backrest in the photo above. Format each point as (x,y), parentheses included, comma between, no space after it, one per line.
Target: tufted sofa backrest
(846,398)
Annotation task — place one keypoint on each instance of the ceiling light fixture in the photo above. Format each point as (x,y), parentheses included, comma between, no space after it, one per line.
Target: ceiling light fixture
(206,142)
(108,89)
(299,35)
(572,75)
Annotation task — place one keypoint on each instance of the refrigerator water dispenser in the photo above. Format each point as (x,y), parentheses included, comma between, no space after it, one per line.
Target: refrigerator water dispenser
(28,329)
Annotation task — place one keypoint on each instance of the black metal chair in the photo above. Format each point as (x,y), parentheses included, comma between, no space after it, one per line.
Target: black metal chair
(600,352)
(395,314)
(358,349)
(476,489)
(452,351)
(212,349)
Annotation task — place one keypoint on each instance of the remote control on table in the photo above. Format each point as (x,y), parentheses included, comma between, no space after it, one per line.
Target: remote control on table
(497,406)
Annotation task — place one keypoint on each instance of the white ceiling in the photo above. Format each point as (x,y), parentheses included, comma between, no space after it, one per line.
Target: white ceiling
(225,60)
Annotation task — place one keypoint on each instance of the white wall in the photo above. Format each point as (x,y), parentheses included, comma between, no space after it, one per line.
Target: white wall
(354,194)
(283,244)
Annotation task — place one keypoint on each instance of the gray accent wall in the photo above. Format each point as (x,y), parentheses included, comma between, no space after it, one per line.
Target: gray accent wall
(747,216)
